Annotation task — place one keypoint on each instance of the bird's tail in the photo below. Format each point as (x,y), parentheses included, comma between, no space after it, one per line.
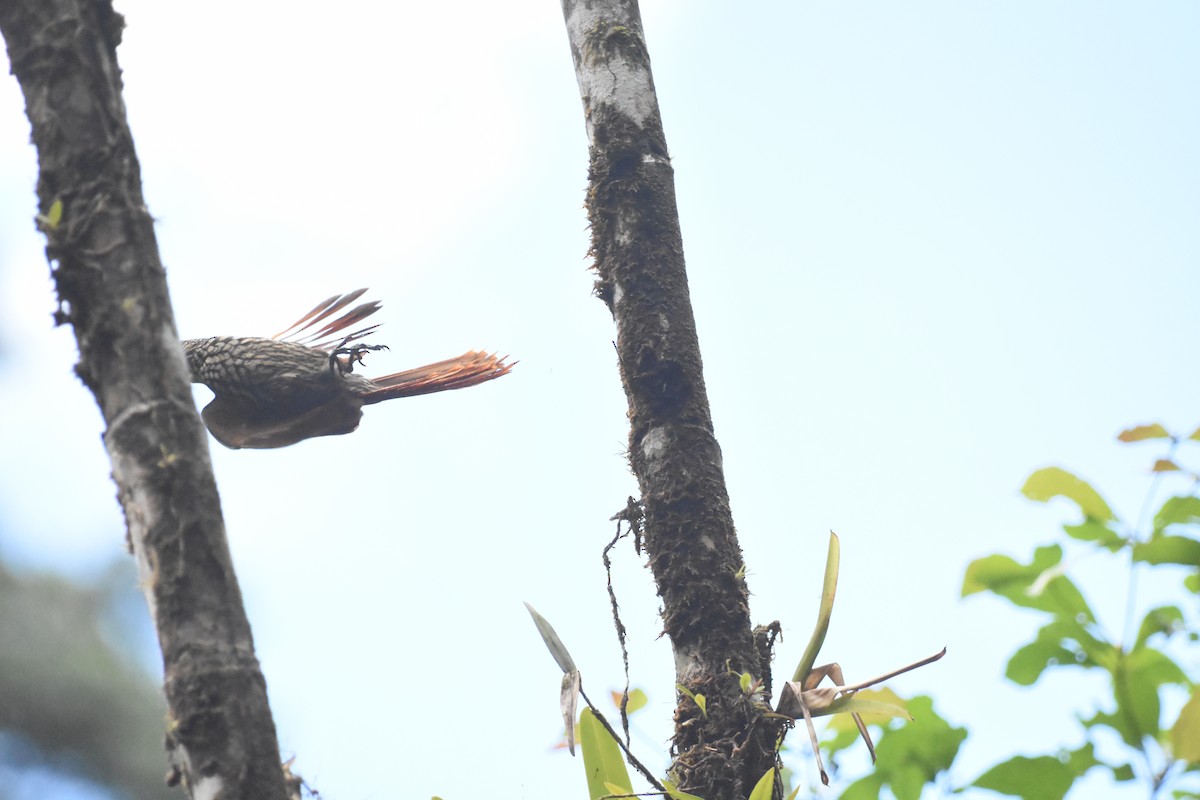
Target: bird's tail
(469,369)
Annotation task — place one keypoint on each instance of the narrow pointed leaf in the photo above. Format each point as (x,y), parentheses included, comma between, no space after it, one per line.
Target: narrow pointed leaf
(553,643)
(765,786)
(824,612)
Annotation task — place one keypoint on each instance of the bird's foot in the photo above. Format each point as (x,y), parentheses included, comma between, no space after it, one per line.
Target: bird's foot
(343,359)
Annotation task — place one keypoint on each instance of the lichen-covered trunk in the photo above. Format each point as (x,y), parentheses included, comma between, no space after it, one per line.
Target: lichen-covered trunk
(112,290)
(690,538)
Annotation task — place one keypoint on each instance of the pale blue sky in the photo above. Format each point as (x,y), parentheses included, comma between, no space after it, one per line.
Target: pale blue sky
(932,247)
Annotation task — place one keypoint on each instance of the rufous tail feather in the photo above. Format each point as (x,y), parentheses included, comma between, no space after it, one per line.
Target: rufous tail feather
(469,369)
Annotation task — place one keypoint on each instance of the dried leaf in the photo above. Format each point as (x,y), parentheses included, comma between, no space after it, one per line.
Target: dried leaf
(1140,433)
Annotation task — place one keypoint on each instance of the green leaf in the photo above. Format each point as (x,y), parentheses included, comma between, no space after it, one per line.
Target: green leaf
(1031,585)
(1041,778)
(1051,482)
(675,794)
(1195,437)
(853,704)
(602,761)
(1137,678)
(1065,642)
(1182,510)
(53,216)
(1030,661)
(1083,759)
(888,700)
(1164,465)
(1168,550)
(1095,531)
(637,700)
(766,784)
(1140,433)
(745,680)
(697,698)
(1164,619)
(1185,733)
(908,782)
(1122,773)
(913,754)
(828,591)
(867,788)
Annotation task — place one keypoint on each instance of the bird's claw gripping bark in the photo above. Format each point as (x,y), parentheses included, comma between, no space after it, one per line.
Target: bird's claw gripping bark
(353,355)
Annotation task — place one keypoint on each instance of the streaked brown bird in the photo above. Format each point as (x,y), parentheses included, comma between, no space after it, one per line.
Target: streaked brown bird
(301,383)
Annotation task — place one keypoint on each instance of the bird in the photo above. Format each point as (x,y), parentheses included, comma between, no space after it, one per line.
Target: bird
(300,383)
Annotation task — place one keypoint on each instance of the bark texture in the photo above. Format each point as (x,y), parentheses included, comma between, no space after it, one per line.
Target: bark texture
(689,534)
(112,290)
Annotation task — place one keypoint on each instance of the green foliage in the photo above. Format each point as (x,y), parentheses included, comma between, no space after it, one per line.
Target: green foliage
(1138,723)
(1041,778)
(602,759)
(1141,674)
(910,755)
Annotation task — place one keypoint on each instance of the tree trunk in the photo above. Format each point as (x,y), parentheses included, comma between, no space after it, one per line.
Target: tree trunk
(112,290)
(689,534)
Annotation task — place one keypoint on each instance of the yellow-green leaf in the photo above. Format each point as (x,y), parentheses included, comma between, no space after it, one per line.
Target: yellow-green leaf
(637,700)
(52,218)
(1140,433)
(833,560)
(762,790)
(674,793)
(698,699)
(843,722)
(1185,733)
(1164,465)
(1051,482)
(602,759)
(853,704)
